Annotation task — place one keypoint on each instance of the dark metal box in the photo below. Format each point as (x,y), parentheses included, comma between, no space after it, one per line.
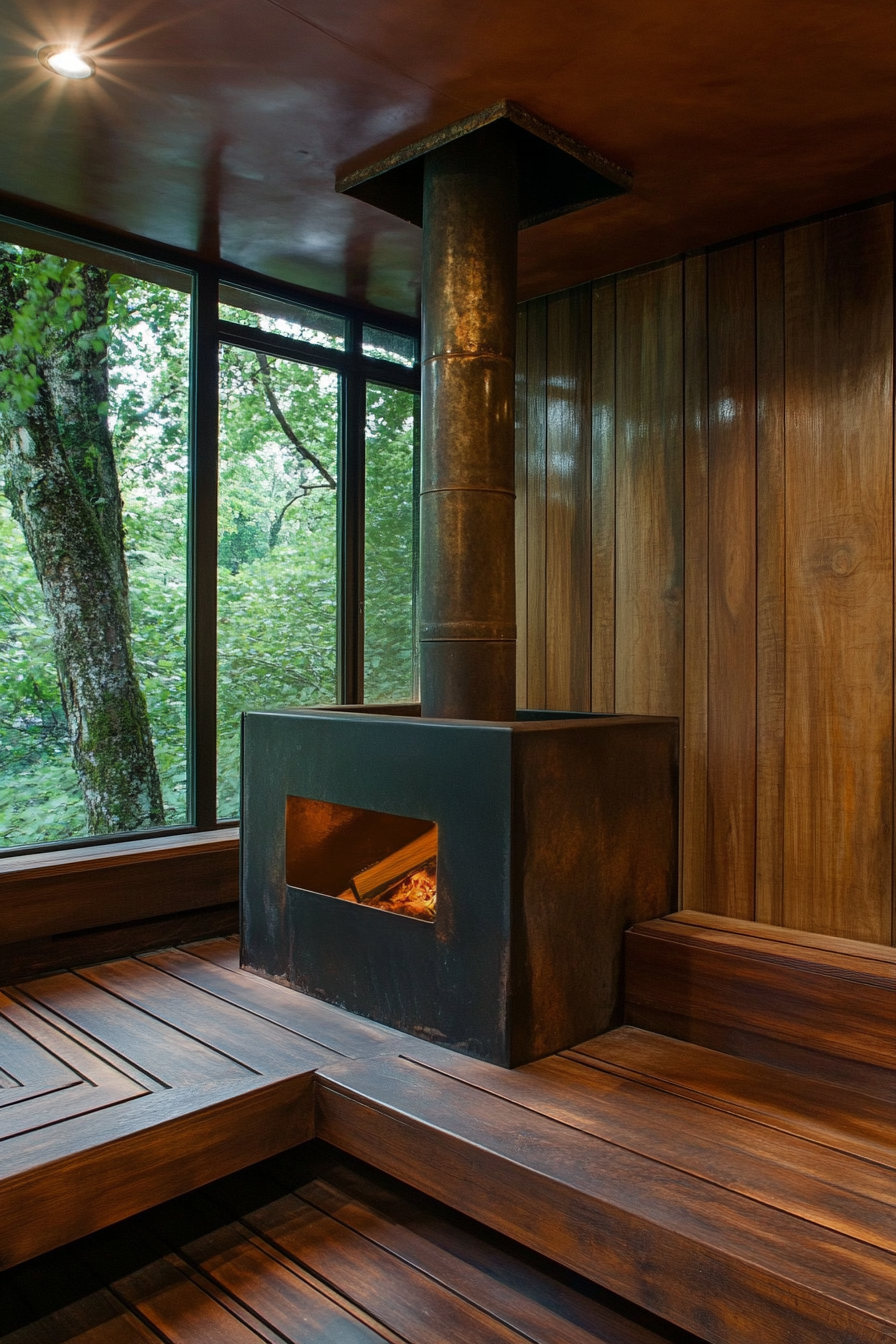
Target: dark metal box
(554,834)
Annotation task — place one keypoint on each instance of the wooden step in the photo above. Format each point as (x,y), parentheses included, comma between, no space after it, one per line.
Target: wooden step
(314,1249)
(126,1084)
(735,1222)
(825,1007)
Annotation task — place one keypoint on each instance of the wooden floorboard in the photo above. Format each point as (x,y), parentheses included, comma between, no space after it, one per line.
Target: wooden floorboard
(824,1113)
(312,1249)
(214,968)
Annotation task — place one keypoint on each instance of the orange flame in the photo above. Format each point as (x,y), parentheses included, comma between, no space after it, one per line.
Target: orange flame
(414,895)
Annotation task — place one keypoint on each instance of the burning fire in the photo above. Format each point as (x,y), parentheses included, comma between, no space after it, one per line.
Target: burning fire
(414,895)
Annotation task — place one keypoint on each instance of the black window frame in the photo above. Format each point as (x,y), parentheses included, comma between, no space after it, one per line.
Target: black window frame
(208,332)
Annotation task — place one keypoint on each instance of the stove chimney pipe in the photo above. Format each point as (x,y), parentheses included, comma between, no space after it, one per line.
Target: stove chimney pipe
(472,185)
(467,596)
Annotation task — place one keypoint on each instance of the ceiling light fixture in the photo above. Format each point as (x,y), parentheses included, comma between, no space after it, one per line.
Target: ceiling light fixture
(64,59)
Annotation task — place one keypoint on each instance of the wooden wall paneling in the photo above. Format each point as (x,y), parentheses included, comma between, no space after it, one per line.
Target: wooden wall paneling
(839,473)
(649,490)
(731,718)
(770,579)
(521,533)
(568,568)
(696,578)
(536,460)
(603,496)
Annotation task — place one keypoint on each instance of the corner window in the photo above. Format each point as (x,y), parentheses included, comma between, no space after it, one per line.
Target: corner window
(171,558)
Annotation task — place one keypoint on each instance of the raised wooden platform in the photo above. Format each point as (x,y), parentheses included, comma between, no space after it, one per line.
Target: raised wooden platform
(125,1084)
(315,1249)
(738,1199)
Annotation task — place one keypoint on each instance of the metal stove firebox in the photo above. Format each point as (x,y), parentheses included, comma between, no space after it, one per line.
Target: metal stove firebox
(548,835)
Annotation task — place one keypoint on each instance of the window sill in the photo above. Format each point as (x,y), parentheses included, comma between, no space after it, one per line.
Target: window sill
(44,895)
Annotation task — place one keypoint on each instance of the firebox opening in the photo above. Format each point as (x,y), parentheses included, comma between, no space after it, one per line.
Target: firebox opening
(377,859)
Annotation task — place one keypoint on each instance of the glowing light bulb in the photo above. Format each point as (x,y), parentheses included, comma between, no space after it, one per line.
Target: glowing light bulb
(66,61)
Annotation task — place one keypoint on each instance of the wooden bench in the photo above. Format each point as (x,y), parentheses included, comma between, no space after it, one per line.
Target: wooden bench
(825,1007)
(746,1192)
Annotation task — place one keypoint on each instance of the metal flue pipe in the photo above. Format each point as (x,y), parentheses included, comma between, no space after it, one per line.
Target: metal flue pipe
(467,597)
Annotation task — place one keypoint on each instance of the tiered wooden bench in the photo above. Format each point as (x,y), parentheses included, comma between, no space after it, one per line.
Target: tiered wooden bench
(737,1198)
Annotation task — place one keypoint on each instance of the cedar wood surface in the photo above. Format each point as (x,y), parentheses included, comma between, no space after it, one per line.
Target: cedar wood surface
(71,907)
(821,1006)
(131,1082)
(739,484)
(734,1199)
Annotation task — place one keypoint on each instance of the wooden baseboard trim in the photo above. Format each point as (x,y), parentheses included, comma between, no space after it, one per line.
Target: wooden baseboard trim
(64,951)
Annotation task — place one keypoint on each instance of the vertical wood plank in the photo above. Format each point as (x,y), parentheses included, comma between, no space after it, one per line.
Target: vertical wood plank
(696,593)
(839,480)
(569,500)
(770,579)
(649,490)
(536,457)
(731,716)
(603,496)
(521,532)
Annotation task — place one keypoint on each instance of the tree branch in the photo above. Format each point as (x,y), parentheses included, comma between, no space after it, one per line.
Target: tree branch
(276,525)
(284,424)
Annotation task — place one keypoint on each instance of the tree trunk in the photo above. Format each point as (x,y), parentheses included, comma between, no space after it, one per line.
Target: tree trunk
(61,479)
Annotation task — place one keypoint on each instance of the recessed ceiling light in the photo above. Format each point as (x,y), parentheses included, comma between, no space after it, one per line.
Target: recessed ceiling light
(66,60)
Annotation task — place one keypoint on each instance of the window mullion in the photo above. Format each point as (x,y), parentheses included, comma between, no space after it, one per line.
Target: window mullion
(203,594)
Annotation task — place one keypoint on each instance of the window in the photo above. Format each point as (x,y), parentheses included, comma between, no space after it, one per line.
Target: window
(171,556)
(391,489)
(277,544)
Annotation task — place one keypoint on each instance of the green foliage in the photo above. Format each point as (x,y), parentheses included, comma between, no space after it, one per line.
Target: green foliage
(389,643)
(277,546)
(42,309)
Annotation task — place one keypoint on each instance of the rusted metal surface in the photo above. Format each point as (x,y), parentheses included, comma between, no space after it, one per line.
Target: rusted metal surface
(555,833)
(558,174)
(467,598)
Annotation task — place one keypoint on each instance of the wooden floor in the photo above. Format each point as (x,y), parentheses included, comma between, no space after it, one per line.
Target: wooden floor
(745,1202)
(309,1247)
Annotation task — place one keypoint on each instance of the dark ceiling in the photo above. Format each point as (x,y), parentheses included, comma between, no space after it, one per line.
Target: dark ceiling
(219,125)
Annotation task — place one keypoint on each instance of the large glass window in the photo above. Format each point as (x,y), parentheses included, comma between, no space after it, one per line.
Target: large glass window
(389,544)
(93,528)
(277,544)
(207,505)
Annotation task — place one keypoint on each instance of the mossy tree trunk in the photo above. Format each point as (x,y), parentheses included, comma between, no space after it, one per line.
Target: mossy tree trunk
(60,476)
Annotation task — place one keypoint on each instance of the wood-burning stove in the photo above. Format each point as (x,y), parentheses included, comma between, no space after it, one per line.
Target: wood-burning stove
(548,834)
(553,834)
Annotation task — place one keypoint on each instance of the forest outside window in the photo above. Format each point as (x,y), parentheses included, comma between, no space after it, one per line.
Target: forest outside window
(106,585)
